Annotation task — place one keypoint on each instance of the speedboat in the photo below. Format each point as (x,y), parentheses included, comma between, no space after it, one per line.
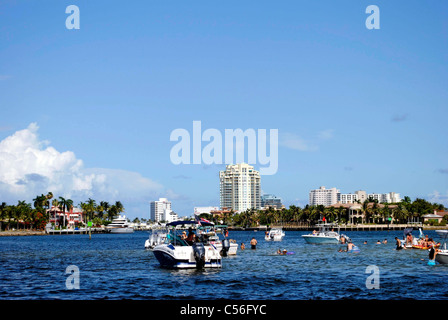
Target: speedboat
(275,234)
(119,225)
(155,238)
(177,253)
(325,235)
(442,254)
(225,246)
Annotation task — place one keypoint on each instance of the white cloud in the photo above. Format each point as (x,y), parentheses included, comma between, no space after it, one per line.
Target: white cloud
(293,141)
(437,197)
(29,167)
(326,134)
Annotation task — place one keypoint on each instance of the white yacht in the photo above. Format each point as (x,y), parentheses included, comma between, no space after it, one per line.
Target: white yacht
(119,225)
(275,234)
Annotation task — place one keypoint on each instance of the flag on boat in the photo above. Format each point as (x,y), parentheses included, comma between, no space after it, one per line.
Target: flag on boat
(202,221)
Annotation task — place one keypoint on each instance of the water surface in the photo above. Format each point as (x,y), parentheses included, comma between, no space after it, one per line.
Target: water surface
(118,267)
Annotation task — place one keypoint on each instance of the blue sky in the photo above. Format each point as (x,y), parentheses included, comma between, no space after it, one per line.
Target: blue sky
(355,108)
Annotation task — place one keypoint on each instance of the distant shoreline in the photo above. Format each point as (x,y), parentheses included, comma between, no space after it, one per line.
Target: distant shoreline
(22,233)
(285,228)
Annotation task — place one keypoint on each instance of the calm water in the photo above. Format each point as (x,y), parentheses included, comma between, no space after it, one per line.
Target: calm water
(118,267)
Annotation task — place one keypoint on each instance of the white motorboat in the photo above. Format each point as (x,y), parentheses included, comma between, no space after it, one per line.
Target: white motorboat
(442,254)
(275,234)
(155,238)
(119,225)
(325,235)
(225,246)
(179,254)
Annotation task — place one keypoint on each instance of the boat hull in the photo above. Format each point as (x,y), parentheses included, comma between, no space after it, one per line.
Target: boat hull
(274,238)
(182,257)
(122,230)
(442,257)
(320,240)
(232,250)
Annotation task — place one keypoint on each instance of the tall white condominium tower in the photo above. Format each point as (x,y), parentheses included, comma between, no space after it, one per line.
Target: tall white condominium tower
(240,187)
(324,196)
(160,209)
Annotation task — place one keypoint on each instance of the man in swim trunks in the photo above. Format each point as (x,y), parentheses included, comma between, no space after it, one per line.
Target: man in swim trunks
(253,243)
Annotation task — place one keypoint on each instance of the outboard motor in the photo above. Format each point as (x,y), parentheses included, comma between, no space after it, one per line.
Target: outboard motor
(199,255)
(225,247)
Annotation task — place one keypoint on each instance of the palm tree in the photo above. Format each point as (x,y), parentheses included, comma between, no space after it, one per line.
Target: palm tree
(112,212)
(119,206)
(55,205)
(100,211)
(40,201)
(65,204)
(91,207)
(3,213)
(49,196)
(330,213)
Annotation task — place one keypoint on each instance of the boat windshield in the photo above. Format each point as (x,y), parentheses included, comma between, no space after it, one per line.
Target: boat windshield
(174,238)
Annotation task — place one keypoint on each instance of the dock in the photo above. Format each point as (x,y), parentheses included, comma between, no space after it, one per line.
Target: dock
(77,231)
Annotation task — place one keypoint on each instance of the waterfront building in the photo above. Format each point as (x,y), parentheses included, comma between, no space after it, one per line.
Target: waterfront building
(70,218)
(240,187)
(271,201)
(161,211)
(323,196)
(361,196)
(327,197)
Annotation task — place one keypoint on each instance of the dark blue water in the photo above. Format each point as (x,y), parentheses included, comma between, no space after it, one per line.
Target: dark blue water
(118,267)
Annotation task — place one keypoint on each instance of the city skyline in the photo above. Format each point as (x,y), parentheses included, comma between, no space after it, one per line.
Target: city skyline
(88,112)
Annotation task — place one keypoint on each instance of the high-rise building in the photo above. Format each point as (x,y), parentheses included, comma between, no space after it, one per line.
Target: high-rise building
(270,200)
(239,187)
(323,196)
(161,211)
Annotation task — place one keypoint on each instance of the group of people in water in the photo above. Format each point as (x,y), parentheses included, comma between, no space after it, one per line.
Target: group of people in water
(425,242)
(253,244)
(409,240)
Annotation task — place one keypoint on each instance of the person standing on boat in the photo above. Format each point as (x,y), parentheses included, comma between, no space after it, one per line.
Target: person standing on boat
(253,243)
(191,236)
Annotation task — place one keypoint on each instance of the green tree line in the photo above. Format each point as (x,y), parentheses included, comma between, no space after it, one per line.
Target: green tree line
(373,212)
(37,214)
